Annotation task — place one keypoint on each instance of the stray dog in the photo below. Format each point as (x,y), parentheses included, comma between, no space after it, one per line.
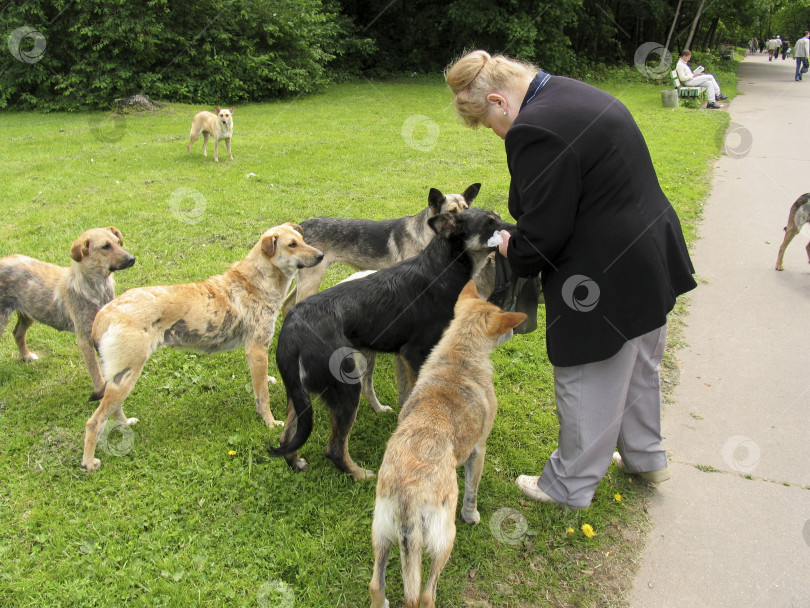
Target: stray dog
(237,308)
(369,244)
(219,126)
(402,309)
(799,215)
(484,280)
(444,424)
(67,299)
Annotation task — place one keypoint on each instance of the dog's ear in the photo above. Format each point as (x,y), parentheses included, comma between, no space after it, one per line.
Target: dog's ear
(79,250)
(216,109)
(502,322)
(232,109)
(269,244)
(471,192)
(435,200)
(470,291)
(118,234)
(444,224)
(295,227)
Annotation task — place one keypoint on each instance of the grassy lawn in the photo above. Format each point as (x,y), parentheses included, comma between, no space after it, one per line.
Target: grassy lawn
(174,519)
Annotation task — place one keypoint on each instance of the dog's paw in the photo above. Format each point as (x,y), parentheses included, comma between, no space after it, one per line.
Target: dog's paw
(271,379)
(471,516)
(300,465)
(131,421)
(93,465)
(383,408)
(363,474)
(30,357)
(277,423)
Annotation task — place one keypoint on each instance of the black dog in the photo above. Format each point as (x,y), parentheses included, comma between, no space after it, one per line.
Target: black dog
(401,309)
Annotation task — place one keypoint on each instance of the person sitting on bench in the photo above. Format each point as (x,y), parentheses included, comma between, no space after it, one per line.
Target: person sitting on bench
(706,81)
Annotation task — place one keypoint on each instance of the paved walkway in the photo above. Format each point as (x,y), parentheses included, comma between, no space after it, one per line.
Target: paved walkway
(732,527)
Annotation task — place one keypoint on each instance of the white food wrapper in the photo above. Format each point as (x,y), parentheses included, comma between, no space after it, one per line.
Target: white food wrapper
(495,240)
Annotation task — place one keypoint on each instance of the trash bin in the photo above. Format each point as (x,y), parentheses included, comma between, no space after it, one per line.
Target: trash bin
(669,98)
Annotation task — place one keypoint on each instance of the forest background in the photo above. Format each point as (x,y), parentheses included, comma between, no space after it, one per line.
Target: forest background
(72,55)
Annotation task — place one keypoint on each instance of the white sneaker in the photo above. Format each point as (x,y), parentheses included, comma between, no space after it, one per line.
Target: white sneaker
(649,476)
(528,485)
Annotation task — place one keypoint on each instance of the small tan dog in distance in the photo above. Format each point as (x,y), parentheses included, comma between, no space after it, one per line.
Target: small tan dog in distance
(67,299)
(444,423)
(219,126)
(237,308)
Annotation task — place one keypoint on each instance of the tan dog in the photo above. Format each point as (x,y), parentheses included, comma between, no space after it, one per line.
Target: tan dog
(67,299)
(443,424)
(219,126)
(799,215)
(221,313)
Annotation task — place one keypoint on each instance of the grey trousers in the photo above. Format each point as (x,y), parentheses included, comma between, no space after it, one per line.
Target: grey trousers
(602,406)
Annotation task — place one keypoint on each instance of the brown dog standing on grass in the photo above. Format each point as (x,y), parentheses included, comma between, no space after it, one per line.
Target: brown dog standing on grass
(799,215)
(237,308)
(444,423)
(219,126)
(67,299)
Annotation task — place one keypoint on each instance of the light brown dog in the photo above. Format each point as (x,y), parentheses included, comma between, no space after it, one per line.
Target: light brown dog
(219,126)
(799,215)
(237,308)
(67,299)
(444,423)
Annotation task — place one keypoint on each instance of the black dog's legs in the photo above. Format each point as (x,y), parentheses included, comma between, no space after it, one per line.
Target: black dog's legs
(342,402)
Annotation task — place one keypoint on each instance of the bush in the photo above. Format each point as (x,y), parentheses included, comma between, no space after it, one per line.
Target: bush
(83,54)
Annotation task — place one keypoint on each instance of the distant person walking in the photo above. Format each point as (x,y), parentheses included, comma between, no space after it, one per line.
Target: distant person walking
(774,44)
(785,48)
(707,81)
(801,53)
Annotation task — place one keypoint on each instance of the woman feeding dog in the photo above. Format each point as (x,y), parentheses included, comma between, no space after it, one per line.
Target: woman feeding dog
(593,221)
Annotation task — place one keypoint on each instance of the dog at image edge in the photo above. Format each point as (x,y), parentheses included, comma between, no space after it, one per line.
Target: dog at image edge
(237,308)
(798,216)
(219,126)
(444,423)
(67,299)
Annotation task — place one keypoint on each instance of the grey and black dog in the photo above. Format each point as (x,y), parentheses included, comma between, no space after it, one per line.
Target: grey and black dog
(402,309)
(67,299)
(370,244)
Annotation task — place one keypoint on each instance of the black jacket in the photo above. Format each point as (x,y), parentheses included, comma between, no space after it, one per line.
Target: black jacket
(592,218)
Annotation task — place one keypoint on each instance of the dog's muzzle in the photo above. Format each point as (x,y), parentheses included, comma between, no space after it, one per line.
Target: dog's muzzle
(317,261)
(128,263)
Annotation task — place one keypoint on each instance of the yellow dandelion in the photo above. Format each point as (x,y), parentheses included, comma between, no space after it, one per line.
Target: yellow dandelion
(570,531)
(587,530)
(617,497)
(232,453)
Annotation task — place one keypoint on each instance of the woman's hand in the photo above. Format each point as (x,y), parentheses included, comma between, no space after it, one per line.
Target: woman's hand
(505,244)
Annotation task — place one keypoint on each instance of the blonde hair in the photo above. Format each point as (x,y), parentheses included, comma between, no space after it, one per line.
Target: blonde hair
(476,75)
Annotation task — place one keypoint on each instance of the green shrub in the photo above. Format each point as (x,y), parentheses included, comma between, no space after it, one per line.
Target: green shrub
(196,51)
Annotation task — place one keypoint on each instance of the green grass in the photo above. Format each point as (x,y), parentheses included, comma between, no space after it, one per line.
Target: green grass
(176,520)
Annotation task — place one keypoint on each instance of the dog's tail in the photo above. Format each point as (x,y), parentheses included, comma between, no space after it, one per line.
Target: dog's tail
(288,358)
(411,542)
(303,424)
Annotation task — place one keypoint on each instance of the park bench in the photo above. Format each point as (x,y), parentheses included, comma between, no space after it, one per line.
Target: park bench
(684,91)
